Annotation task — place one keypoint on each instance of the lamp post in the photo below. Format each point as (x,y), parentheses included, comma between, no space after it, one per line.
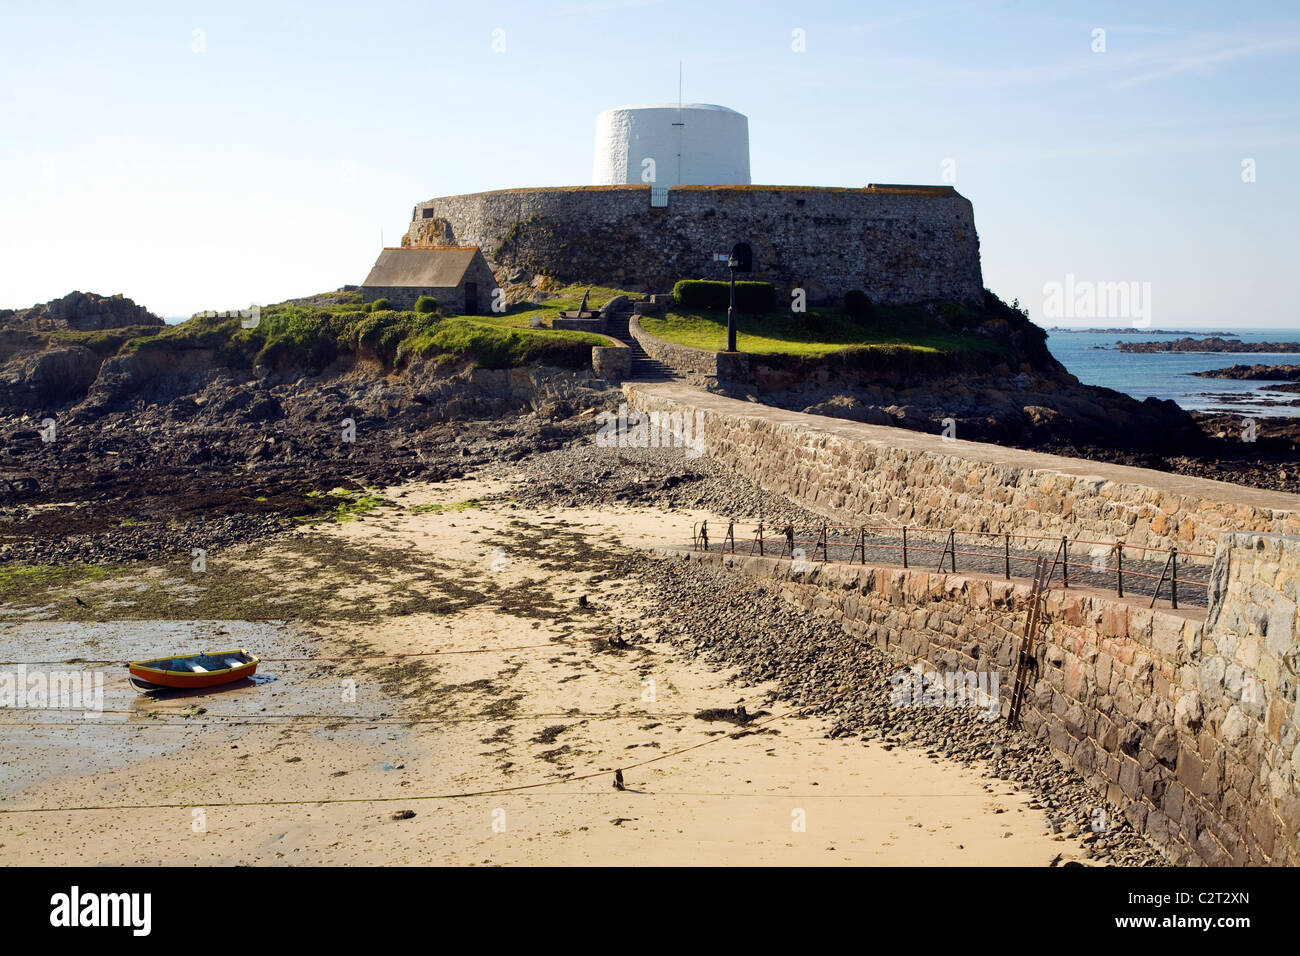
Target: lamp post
(731,305)
(740,260)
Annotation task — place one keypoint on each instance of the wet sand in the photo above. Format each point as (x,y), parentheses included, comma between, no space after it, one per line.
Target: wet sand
(502,744)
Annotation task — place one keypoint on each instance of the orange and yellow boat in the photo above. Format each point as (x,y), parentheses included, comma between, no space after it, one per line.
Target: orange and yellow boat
(196,670)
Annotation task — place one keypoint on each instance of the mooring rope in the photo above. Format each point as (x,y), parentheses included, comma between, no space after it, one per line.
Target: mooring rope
(342,657)
(403,799)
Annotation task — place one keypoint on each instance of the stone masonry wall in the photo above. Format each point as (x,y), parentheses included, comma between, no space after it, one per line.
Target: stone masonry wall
(699,367)
(450,300)
(613,362)
(899,244)
(1249,665)
(694,365)
(1188,729)
(853,472)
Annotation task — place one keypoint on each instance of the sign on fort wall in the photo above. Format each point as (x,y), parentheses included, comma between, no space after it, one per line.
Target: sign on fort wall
(899,244)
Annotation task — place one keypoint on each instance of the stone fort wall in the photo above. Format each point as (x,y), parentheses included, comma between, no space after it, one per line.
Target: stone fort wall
(899,244)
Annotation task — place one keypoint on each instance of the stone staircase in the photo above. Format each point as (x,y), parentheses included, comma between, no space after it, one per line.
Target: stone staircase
(644,368)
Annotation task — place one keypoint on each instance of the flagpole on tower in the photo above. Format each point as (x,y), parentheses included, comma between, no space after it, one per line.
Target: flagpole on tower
(679,124)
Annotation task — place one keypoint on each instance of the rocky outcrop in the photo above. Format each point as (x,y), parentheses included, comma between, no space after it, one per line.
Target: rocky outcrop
(482,393)
(53,375)
(41,369)
(1211,344)
(1256,372)
(156,375)
(204,455)
(1029,408)
(81,312)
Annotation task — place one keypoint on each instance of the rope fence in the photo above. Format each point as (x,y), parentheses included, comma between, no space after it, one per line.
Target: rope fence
(1148,571)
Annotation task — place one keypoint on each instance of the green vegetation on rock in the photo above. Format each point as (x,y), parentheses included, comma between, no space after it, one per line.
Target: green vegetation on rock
(351,503)
(313,332)
(820,331)
(20,579)
(492,345)
(454,506)
(526,315)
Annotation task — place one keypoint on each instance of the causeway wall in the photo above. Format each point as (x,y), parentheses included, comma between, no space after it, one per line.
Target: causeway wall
(1186,722)
(854,473)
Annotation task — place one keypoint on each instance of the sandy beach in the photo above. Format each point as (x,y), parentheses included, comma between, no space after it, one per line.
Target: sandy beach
(538,676)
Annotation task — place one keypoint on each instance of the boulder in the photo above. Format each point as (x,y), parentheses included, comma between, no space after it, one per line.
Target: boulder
(51,375)
(83,312)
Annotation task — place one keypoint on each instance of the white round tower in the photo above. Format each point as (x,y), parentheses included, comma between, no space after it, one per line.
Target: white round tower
(665,144)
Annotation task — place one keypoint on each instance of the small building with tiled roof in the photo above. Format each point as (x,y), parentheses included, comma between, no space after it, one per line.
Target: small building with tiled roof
(458,277)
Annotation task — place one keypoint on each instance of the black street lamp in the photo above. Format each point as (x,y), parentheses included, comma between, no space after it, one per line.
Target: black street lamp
(731,306)
(740,260)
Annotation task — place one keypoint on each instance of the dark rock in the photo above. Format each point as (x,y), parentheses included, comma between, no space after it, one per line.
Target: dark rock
(83,312)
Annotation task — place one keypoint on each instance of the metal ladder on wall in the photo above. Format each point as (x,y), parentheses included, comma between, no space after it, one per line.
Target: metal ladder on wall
(1025,663)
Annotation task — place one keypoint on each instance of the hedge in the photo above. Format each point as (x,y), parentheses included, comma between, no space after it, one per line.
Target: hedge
(752,297)
(858,305)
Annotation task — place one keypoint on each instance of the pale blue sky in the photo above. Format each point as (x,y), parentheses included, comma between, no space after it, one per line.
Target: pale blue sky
(268,163)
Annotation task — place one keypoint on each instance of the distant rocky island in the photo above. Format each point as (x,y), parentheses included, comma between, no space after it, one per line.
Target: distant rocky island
(1288,373)
(1132,331)
(1213,343)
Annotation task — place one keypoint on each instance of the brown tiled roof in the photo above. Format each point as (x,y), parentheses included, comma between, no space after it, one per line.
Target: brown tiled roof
(421,267)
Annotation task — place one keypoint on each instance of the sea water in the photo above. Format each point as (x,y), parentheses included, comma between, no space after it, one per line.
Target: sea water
(1093,358)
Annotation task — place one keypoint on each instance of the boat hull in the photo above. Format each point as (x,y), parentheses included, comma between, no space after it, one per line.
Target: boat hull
(188,671)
